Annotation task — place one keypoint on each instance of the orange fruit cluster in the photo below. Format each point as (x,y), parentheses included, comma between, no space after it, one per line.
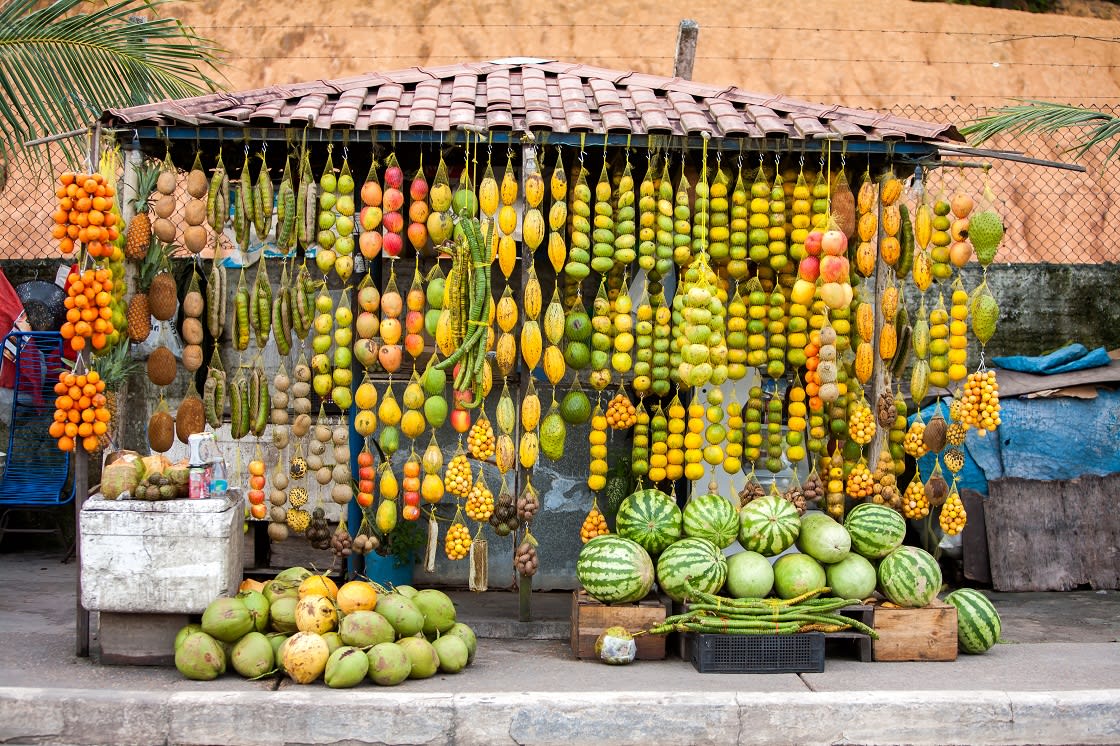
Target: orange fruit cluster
(595,524)
(89,312)
(621,413)
(85,214)
(80,411)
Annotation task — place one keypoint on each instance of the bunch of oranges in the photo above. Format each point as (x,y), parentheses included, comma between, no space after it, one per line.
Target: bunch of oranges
(85,214)
(89,310)
(81,411)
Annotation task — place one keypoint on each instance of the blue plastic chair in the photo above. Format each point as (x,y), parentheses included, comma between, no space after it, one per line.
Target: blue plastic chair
(37,475)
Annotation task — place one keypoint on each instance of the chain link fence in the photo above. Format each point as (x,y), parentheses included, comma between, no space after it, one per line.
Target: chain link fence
(1050,215)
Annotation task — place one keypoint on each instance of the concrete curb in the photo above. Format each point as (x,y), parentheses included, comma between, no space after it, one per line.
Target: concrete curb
(316,715)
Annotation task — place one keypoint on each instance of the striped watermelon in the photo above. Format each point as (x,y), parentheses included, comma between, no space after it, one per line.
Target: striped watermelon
(909,577)
(651,518)
(691,560)
(768,525)
(614,570)
(876,530)
(978,622)
(711,517)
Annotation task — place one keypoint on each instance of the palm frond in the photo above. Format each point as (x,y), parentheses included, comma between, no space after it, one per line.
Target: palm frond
(1033,117)
(63,64)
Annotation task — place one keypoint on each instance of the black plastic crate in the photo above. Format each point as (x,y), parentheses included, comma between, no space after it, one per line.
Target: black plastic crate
(798,653)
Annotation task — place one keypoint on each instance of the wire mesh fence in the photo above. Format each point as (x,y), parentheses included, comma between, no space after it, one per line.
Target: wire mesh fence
(1050,215)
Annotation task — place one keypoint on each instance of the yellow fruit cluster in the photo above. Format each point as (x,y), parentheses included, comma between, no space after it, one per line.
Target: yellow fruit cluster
(980,403)
(457,542)
(861,483)
(480,440)
(913,443)
(621,413)
(675,440)
(953,516)
(597,440)
(595,524)
(458,478)
(915,504)
(861,424)
(480,503)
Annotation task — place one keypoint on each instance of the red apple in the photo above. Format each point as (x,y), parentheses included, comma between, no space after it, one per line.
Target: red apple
(393,222)
(460,420)
(834,268)
(394,200)
(391,244)
(833,242)
(809,268)
(813,242)
(418,189)
(394,177)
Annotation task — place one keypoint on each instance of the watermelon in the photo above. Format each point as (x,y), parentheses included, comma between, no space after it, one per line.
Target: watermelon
(796,574)
(692,560)
(749,575)
(909,577)
(651,518)
(852,577)
(876,530)
(614,570)
(978,622)
(768,525)
(711,517)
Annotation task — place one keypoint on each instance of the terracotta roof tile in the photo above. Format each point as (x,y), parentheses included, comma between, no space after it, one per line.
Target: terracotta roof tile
(526,94)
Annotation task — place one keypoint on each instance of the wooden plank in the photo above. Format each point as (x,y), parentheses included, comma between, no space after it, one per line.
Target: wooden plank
(138,639)
(1053,535)
(590,618)
(925,634)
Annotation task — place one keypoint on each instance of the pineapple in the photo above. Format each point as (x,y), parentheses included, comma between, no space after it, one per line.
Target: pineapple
(114,367)
(139,233)
(139,313)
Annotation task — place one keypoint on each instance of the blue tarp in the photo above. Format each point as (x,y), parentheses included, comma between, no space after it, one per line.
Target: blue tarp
(1046,439)
(1066,360)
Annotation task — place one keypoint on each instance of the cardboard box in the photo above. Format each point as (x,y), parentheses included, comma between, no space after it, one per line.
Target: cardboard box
(925,634)
(590,618)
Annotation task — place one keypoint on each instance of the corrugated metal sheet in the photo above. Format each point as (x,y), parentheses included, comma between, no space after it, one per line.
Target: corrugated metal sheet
(533,95)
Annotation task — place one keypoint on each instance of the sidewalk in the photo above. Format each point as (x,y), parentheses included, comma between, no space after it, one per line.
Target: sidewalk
(1057,681)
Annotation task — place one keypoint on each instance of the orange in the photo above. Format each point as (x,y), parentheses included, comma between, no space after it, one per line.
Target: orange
(71,429)
(89,443)
(100,428)
(357,595)
(88,416)
(85,430)
(66,443)
(103,415)
(66,177)
(99,341)
(57,429)
(93,377)
(318,585)
(78,344)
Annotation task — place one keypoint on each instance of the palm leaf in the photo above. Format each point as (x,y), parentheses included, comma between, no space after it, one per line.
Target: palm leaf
(1034,117)
(63,64)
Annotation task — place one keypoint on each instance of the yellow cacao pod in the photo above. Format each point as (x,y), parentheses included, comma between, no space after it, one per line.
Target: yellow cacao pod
(531,343)
(890,249)
(487,379)
(865,362)
(531,295)
(488,194)
(528,450)
(557,251)
(507,254)
(866,199)
(534,189)
(532,228)
(889,302)
(888,341)
(444,338)
(892,220)
(505,415)
(509,187)
(558,184)
(919,380)
(530,411)
(387,516)
(923,270)
(865,321)
(506,312)
(868,225)
(558,215)
(865,258)
(554,365)
(505,453)
(505,354)
(554,321)
(891,190)
(923,226)
(919,337)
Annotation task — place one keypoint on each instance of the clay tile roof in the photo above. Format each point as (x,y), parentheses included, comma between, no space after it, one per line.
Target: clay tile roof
(528,94)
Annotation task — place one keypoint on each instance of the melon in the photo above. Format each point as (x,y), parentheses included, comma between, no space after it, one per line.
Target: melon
(768,525)
(876,530)
(796,575)
(749,575)
(691,561)
(615,570)
(651,518)
(823,539)
(978,622)
(909,577)
(852,577)
(711,517)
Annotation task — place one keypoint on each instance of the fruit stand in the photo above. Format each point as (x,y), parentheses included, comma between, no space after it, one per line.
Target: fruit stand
(518,306)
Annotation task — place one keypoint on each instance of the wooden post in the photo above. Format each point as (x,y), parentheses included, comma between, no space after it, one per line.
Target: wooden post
(685,55)
(524,583)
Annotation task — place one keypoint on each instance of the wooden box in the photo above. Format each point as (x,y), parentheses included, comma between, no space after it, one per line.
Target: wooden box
(590,618)
(925,634)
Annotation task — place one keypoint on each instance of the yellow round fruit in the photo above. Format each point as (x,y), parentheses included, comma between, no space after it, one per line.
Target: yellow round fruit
(318,585)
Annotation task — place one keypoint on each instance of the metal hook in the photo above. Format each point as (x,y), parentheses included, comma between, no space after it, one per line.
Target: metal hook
(345,152)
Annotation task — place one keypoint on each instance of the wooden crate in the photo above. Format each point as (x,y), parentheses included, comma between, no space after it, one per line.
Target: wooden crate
(925,634)
(590,618)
